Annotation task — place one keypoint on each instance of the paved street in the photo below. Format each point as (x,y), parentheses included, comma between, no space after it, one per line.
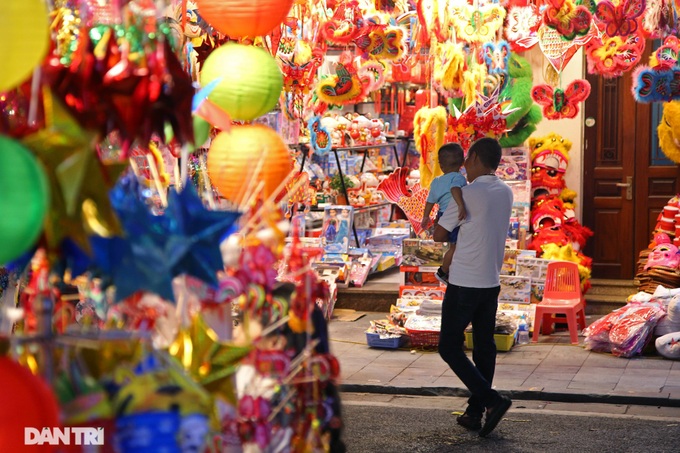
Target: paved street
(414,424)
(552,370)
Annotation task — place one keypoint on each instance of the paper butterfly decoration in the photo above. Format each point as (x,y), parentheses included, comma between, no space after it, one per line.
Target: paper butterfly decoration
(496,55)
(612,56)
(522,22)
(666,56)
(477,24)
(621,19)
(651,85)
(319,137)
(659,82)
(568,19)
(558,104)
(380,42)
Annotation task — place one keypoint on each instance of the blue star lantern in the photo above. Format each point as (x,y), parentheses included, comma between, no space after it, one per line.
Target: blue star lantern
(184,240)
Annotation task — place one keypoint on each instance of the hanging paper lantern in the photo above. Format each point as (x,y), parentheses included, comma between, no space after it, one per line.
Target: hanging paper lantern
(250,81)
(25,26)
(26,402)
(234,156)
(238,18)
(24,197)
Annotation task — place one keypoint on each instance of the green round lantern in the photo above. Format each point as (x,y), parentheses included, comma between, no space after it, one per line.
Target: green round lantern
(24,198)
(250,80)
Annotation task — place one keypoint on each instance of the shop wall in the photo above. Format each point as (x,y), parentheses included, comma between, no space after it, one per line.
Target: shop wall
(571,129)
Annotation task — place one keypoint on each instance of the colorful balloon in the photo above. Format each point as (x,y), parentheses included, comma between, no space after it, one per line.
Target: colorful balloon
(27,402)
(24,198)
(25,26)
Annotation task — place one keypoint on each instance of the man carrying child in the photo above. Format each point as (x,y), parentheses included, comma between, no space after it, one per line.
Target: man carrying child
(442,189)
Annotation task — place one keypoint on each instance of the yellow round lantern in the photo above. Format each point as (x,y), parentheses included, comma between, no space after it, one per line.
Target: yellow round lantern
(25,25)
(249,81)
(234,156)
(238,18)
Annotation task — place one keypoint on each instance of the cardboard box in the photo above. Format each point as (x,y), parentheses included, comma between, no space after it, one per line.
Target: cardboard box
(513,168)
(537,288)
(536,268)
(417,277)
(515,289)
(422,252)
(510,260)
(428,292)
(387,239)
(387,261)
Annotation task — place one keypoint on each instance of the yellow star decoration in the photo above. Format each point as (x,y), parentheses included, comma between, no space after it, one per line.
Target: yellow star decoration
(79,181)
(209,362)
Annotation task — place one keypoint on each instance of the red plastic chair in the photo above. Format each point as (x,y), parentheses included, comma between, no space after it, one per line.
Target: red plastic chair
(561,295)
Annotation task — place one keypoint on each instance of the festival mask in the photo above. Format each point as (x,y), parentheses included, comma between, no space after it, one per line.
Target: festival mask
(547,172)
(664,255)
(548,213)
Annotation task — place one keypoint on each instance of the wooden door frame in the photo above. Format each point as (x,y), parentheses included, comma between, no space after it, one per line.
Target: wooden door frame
(643,172)
(625,141)
(653,185)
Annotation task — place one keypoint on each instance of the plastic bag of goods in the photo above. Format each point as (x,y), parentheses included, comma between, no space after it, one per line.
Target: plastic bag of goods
(631,332)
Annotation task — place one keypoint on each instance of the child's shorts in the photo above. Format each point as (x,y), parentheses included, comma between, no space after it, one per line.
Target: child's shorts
(453,235)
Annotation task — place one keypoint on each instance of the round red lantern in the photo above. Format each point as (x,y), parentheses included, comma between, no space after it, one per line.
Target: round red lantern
(25,402)
(234,156)
(238,18)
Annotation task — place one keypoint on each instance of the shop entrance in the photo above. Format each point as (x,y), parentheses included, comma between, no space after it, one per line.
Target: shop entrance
(626,179)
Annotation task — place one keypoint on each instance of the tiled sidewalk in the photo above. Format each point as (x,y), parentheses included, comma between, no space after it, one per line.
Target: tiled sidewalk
(552,370)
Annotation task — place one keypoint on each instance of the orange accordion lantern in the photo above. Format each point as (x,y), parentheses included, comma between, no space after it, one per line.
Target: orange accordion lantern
(235,155)
(239,18)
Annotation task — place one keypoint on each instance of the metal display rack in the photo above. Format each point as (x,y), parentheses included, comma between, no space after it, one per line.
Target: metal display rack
(364,150)
(359,149)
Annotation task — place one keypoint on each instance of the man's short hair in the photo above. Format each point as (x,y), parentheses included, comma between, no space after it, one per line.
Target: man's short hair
(452,153)
(488,150)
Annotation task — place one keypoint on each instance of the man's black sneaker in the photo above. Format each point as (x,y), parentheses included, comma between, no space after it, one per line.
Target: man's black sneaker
(494,414)
(471,422)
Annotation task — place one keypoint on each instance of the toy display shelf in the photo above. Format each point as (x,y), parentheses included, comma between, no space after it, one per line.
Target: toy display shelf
(369,207)
(365,150)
